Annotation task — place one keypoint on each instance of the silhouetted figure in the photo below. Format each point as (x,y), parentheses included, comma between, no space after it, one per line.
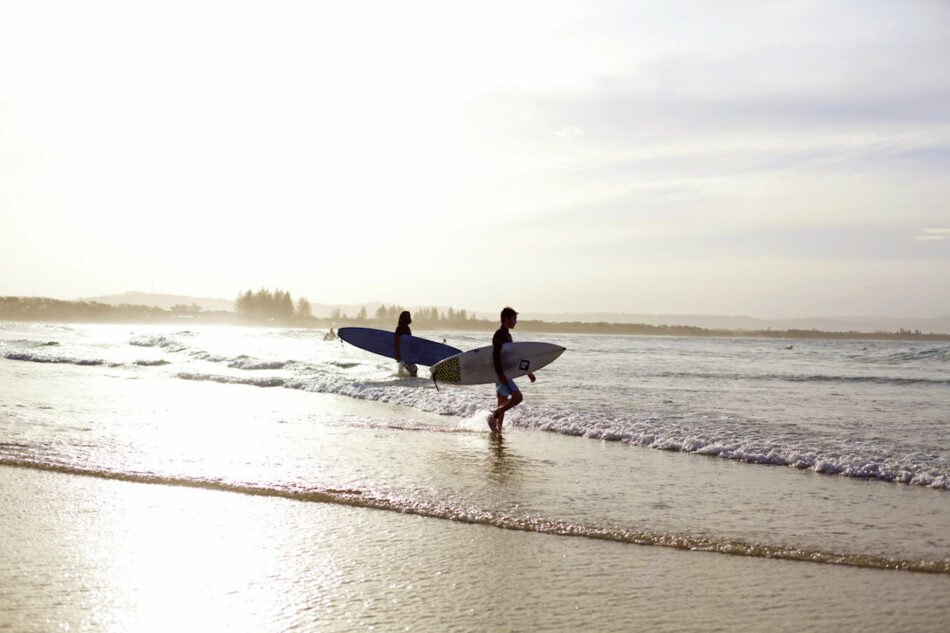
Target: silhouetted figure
(508,393)
(403,328)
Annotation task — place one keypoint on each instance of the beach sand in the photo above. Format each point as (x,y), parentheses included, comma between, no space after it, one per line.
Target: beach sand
(85,553)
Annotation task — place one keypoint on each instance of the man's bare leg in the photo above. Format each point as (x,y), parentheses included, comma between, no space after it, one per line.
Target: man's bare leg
(504,403)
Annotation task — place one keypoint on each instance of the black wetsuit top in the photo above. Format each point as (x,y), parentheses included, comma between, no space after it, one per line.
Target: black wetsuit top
(401,329)
(502,336)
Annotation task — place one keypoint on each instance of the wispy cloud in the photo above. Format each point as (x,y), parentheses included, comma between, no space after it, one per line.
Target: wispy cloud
(934,234)
(570,133)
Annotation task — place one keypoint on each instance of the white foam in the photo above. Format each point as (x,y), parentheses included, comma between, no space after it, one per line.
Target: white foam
(478,421)
(712,434)
(246,362)
(48,358)
(157,341)
(261,381)
(726,441)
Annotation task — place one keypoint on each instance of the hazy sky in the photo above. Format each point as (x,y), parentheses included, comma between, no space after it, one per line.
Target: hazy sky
(734,157)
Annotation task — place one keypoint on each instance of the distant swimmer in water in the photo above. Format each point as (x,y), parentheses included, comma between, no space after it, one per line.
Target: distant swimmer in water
(403,328)
(508,393)
(329,336)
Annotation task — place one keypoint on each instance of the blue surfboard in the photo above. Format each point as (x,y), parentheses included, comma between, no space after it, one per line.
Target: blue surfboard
(414,349)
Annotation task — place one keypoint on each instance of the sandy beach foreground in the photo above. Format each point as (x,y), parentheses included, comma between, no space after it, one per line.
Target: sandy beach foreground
(85,553)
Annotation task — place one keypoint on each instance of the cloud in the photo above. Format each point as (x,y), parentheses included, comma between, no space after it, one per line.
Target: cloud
(934,234)
(569,133)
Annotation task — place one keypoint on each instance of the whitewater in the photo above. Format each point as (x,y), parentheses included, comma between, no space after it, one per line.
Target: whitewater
(878,410)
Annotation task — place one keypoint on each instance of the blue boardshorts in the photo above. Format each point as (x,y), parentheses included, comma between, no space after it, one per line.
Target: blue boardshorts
(505,389)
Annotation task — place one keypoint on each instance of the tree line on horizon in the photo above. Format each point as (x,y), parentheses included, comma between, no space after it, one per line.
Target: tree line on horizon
(272,307)
(277,305)
(419,315)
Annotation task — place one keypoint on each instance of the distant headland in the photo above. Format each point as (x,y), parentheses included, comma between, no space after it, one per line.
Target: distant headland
(277,308)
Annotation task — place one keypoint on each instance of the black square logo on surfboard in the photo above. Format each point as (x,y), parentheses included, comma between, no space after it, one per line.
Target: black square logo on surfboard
(524,365)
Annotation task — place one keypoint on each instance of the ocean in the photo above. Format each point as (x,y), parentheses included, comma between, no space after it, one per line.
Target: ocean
(239,478)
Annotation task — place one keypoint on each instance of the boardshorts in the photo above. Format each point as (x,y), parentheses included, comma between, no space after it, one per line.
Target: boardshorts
(505,389)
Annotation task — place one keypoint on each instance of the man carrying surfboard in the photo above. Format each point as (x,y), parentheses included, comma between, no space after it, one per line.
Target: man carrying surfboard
(403,328)
(508,393)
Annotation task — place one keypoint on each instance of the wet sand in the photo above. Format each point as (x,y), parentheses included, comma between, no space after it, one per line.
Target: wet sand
(84,553)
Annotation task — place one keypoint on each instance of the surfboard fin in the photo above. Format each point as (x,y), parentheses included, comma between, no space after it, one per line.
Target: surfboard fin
(436,383)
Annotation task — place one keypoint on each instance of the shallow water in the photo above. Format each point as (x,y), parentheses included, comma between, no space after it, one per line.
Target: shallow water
(296,427)
(877,410)
(89,554)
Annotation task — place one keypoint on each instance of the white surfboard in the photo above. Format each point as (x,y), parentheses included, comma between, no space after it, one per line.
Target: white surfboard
(475,367)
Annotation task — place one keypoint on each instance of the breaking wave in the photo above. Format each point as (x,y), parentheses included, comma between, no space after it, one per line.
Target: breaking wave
(725,437)
(45,358)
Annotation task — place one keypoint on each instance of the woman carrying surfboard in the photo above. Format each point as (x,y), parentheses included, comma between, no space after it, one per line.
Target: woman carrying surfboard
(403,328)
(508,393)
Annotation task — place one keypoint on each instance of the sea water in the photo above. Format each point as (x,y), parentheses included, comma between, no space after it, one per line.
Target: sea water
(824,452)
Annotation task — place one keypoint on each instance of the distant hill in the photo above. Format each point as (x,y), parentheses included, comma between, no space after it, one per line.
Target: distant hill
(939,325)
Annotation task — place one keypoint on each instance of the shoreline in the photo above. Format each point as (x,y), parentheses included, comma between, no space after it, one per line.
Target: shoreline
(93,554)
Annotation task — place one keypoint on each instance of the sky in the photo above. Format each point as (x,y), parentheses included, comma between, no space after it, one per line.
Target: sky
(771,159)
